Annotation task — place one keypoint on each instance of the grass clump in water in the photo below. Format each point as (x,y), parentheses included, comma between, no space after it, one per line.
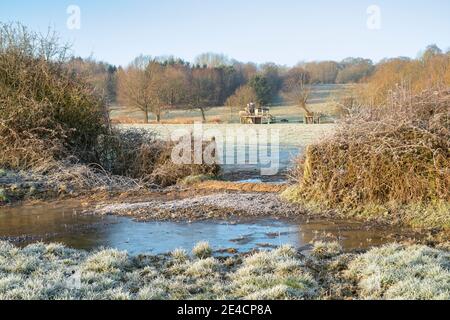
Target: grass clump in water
(326,250)
(194,179)
(202,250)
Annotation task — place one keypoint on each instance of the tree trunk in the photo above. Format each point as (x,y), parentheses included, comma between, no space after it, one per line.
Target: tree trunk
(203,114)
(158,118)
(146,116)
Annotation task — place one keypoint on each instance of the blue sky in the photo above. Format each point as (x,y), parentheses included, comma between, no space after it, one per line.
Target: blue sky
(282,31)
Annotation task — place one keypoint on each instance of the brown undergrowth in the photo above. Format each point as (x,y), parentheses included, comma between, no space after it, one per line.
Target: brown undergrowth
(55,132)
(391,162)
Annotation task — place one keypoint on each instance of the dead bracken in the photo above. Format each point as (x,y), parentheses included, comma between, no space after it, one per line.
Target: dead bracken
(56,137)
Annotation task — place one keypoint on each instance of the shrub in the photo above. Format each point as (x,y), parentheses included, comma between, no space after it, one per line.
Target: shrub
(45,112)
(386,158)
(167,173)
(130,153)
(53,123)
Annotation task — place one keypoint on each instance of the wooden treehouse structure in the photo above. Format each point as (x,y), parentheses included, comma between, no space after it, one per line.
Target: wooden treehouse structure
(311,117)
(256,115)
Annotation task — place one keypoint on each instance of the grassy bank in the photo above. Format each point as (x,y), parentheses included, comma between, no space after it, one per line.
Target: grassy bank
(388,163)
(396,271)
(130,160)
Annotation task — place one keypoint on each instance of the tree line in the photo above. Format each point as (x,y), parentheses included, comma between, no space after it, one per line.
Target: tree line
(157,85)
(431,69)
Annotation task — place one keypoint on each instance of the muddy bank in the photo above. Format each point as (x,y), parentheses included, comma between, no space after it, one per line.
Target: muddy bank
(219,205)
(244,186)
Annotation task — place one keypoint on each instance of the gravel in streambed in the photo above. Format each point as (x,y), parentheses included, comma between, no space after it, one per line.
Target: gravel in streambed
(220,205)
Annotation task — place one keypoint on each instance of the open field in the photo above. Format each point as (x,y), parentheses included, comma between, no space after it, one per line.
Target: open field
(296,135)
(320,101)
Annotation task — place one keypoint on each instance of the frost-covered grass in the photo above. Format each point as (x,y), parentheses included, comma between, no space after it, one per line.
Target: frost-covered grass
(52,271)
(202,250)
(402,272)
(298,135)
(277,274)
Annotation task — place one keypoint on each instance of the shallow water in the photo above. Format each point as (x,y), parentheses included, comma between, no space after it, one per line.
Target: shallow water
(250,172)
(63,222)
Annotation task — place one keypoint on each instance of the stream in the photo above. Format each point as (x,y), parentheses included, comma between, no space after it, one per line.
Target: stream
(63,222)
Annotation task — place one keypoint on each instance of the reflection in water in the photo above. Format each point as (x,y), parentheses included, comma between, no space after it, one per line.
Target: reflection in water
(64,223)
(59,222)
(252,172)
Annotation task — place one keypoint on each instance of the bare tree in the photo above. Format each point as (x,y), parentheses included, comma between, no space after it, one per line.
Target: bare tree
(322,72)
(212,60)
(203,91)
(100,75)
(297,91)
(172,87)
(242,97)
(138,86)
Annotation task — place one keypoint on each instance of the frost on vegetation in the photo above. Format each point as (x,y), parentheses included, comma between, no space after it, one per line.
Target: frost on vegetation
(326,250)
(202,250)
(274,275)
(107,261)
(52,271)
(180,255)
(402,272)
